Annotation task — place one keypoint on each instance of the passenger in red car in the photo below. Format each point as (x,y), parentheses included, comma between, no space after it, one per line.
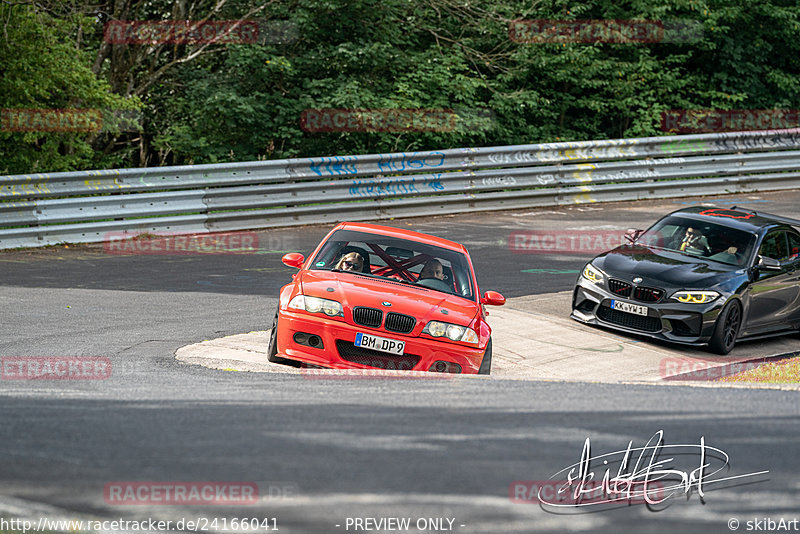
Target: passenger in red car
(350,262)
(432,269)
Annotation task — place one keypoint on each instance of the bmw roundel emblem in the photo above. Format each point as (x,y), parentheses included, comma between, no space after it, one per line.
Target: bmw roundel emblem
(386,303)
(637,280)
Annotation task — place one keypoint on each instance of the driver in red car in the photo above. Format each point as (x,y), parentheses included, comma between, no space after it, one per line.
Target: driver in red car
(351,261)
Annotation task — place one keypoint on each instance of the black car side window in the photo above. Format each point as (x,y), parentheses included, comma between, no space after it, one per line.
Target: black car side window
(774,246)
(794,247)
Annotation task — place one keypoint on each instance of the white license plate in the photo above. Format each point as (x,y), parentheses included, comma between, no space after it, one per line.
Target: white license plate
(392,346)
(628,307)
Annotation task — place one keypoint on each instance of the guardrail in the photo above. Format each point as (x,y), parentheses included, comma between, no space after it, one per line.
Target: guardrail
(83,207)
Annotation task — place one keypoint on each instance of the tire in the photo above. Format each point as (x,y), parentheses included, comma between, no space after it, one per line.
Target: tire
(729,323)
(272,349)
(486,363)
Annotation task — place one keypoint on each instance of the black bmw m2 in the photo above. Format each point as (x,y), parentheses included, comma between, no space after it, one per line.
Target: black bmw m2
(698,276)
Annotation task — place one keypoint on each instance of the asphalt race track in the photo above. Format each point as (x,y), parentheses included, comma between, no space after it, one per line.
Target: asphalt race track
(347,455)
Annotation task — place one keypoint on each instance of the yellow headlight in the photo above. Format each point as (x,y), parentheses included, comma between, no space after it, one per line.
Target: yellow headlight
(695,297)
(592,274)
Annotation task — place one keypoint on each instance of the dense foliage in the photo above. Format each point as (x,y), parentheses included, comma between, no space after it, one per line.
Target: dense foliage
(211,102)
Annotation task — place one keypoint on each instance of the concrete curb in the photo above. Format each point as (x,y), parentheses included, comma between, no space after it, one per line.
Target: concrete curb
(534,339)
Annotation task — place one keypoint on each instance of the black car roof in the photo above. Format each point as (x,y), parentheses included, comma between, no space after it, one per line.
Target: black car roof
(735,217)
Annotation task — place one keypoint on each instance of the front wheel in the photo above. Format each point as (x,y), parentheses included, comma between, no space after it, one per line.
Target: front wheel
(486,363)
(272,350)
(727,329)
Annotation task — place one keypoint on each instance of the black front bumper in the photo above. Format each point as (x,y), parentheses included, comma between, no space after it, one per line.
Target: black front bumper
(691,324)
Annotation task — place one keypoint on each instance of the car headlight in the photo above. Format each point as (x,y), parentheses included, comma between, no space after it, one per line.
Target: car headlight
(331,308)
(593,274)
(453,332)
(695,297)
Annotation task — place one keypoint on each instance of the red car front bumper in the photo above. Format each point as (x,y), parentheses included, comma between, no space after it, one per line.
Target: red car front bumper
(339,352)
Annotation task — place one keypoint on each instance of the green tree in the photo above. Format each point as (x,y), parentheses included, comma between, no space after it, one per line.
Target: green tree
(41,68)
(212,102)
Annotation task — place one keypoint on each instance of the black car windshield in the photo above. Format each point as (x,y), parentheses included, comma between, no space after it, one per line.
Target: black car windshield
(399,260)
(700,239)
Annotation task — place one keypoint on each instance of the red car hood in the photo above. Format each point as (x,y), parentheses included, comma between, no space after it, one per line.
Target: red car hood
(421,303)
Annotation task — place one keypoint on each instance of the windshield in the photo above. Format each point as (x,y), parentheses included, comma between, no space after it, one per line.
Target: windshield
(400,260)
(699,238)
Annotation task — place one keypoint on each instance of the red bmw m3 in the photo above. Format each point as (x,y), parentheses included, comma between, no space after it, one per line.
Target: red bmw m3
(378,297)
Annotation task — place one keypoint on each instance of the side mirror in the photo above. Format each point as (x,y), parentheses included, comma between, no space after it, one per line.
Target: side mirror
(293,259)
(493,298)
(632,234)
(768,264)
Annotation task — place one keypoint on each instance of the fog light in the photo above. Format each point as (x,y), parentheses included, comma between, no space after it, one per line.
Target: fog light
(445,367)
(301,338)
(309,340)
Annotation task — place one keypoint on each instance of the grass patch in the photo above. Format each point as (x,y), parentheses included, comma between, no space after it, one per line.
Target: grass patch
(782,372)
